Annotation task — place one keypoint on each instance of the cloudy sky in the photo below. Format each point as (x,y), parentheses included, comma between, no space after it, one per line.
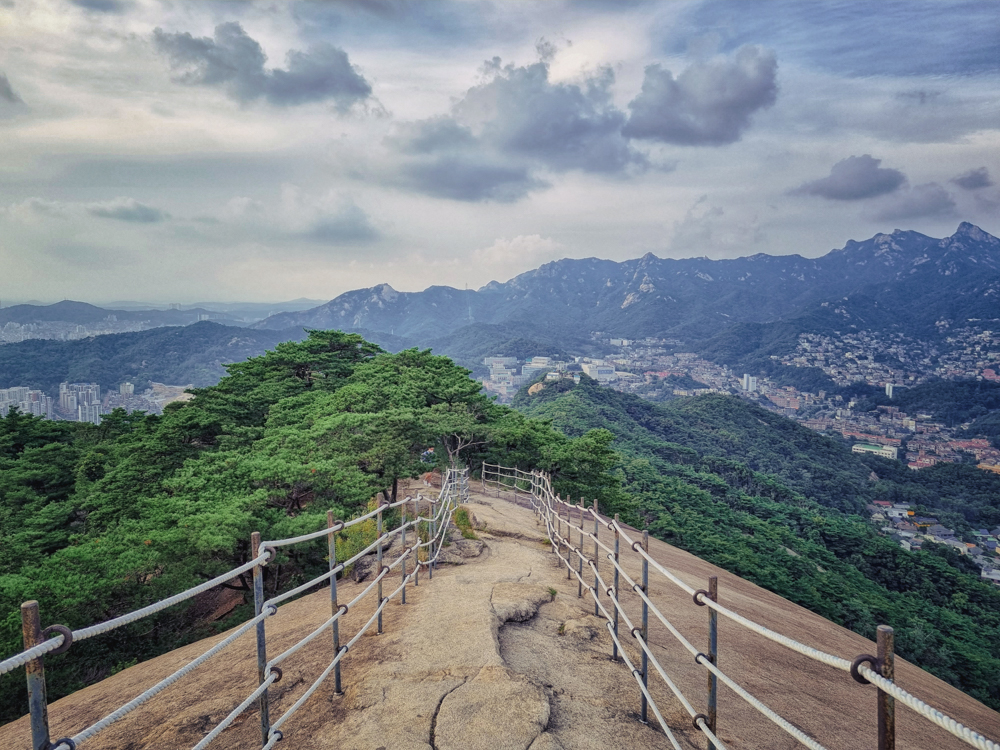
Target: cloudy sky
(163,150)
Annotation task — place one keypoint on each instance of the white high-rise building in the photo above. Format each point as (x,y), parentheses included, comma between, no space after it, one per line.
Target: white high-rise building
(749,383)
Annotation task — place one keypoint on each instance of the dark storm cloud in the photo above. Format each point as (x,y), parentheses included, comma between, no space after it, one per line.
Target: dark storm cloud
(923,201)
(127,209)
(855,178)
(930,38)
(7,92)
(709,104)
(234,61)
(466,177)
(974,179)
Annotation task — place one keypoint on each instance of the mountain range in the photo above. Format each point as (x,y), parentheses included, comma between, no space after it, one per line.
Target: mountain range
(904,280)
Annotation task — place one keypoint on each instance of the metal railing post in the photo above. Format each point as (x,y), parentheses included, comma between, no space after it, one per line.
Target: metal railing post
(886,703)
(597,591)
(579,558)
(378,557)
(645,625)
(713,656)
(258,607)
(416,533)
(569,538)
(614,646)
(334,605)
(403,542)
(433,536)
(31,629)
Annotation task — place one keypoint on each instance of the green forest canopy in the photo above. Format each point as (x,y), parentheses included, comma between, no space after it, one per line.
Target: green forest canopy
(100,520)
(780,505)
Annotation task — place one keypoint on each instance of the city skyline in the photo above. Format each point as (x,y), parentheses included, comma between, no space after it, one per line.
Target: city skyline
(258,151)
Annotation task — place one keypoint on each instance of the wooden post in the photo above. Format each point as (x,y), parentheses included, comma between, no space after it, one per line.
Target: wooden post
(378,557)
(645,626)
(334,605)
(258,607)
(614,648)
(886,703)
(596,556)
(403,542)
(31,629)
(579,558)
(416,533)
(713,656)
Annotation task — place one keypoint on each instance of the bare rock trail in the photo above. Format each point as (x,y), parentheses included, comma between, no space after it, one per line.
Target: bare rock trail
(498,652)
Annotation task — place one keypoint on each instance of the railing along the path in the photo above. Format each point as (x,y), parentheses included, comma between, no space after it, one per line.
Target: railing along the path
(434,526)
(558,517)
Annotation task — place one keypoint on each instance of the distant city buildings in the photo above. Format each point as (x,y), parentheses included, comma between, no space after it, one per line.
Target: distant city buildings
(26,400)
(749,383)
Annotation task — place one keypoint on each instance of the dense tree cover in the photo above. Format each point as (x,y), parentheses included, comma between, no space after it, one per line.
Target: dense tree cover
(183,355)
(773,502)
(953,402)
(100,520)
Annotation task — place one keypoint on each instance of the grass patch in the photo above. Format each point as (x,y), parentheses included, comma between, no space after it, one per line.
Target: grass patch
(552,593)
(464,524)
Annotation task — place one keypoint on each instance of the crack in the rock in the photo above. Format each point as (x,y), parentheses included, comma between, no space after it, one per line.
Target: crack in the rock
(434,718)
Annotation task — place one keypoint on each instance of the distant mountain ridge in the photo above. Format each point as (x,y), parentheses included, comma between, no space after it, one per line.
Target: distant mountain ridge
(181,355)
(692,299)
(82,313)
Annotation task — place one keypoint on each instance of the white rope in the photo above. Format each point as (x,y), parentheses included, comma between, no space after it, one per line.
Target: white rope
(19,660)
(236,712)
(928,712)
(339,526)
(166,682)
(104,627)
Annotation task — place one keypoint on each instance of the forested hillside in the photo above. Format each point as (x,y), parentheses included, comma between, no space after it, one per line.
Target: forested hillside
(775,503)
(100,520)
(180,355)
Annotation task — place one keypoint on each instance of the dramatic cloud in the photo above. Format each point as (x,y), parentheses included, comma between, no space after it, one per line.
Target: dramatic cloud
(855,178)
(348,226)
(7,93)
(234,62)
(974,179)
(467,177)
(126,209)
(922,201)
(709,104)
(565,126)
(515,123)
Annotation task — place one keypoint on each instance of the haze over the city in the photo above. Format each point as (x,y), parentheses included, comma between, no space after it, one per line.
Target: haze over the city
(167,151)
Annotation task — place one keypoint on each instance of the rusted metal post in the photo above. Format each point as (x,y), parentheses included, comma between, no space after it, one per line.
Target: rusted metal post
(416,534)
(403,542)
(886,703)
(645,625)
(596,556)
(258,607)
(579,558)
(614,647)
(569,537)
(433,536)
(334,605)
(713,656)
(31,629)
(378,557)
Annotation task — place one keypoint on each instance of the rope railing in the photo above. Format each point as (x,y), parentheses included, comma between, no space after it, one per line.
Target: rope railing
(434,526)
(550,509)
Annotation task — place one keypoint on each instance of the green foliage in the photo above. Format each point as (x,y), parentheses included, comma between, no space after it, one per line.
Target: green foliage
(192,354)
(953,402)
(100,520)
(773,502)
(464,523)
